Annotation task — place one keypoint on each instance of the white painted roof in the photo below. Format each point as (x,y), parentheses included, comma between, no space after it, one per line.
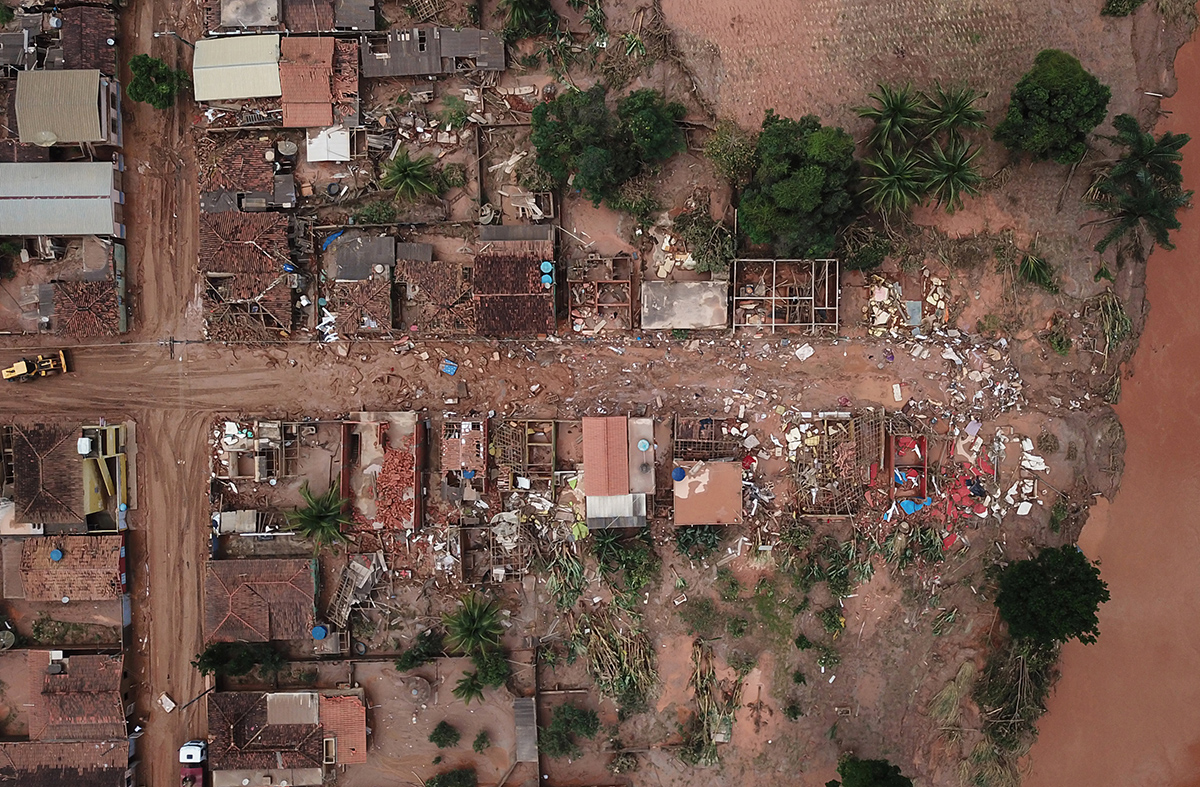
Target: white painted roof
(56,198)
(236,67)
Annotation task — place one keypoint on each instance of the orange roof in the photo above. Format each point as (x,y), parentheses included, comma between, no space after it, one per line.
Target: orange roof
(345,720)
(306,81)
(606,456)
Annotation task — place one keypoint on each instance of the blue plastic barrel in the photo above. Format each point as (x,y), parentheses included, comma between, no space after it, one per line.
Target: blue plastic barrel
(320,632)
(679,474)
(56,555)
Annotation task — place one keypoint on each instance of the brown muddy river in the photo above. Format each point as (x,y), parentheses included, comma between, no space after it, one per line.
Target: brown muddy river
(1127,710)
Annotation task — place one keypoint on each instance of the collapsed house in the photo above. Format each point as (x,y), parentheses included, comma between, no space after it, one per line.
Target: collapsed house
(685,305)
(223,17)
(65,478)
(76,720)
(600,294)
(837,455)
(786,294)
(249,291)
(359,270)
(295,738)
(383,460)
(431,51)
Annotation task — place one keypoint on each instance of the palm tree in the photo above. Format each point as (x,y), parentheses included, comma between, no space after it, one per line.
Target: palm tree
(475,626)
(1159,157)
(897,114)
(1140,202)
(894,183)
(953,111)
(527,18)
(321,518)
(408,176)
(950,173)
(468,688)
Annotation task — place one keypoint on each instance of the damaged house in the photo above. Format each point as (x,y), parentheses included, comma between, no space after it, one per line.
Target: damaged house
(249,279)
(431,51)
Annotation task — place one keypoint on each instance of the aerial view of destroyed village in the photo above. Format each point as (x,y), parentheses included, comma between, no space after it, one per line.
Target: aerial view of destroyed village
(599,393)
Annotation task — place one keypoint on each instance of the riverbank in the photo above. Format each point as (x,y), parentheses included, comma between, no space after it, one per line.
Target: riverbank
(1127,709)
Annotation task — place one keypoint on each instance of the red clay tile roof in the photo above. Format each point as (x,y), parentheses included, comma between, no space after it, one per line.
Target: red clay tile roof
(81,704)
(84,36)
(85,764)
(86,309)
(345,720)
(308,16)
(259,600)
(90,568)
(238,165)
(48,486)
(241,739)
(606,456)
(345,80)
(356,302)
(305,76)
(514,315)
(514,274)
(253,248)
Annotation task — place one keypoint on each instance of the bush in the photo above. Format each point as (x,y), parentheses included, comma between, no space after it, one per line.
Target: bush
(154,82)
(452,176)
(379,212)
(728,585)
(737,627)
(1053,597)
(6,14)
(697,541)
(557,739)
(460,777)
(865,252)
(709,242)
(492,667)
(869,773)
(239,658)
(527,18)
(1120,7)
(802,194)
(792,712)
(444,735)
(730,148)
(1053,109)
(425,648)
(481,743)
(700,616)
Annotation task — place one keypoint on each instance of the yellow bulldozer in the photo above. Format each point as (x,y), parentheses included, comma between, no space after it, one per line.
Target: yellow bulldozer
(25,370)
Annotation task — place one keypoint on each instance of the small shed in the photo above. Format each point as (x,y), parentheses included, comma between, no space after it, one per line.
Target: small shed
(709,493)
(694,305)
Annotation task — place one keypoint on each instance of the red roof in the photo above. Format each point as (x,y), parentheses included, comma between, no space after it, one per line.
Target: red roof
(606,456)
(258,600)
(345,720)
(306,80)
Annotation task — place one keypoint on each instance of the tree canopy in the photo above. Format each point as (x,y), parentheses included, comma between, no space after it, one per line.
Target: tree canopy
(154,82)
(802,193)
(238,658)
(1053,109)
(1052,597)
(576,133)
(869,773)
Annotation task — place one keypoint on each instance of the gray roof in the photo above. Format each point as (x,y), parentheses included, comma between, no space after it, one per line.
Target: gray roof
(354,14)
(414,252)
(249,13)
(59,106)
(531,232)
(355,257)
(525,713)
(236,67)
(12,47)
(56,198)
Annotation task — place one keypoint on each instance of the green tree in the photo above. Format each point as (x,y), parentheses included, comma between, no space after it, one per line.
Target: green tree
(573,122)
(802,194)
(154,82)
(409,177)
(951,111)
(459,777)
(869,773)
(894,182)
(950,173)
(6,14)
(321,518)
(239,658)
(445,735)
(1053,109)
(469,687)
(475,626)
(1052,597)
(425,648)
(527,18)
(896,113)
(653,124)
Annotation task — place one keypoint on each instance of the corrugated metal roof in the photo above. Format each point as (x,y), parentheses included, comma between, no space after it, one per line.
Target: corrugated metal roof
(236,67)
(56,198)
(59,106)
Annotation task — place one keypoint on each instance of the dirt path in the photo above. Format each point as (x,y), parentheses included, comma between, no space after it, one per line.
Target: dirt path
(1127,710)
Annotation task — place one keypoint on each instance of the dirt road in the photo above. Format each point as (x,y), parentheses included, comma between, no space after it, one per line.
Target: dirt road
(1127,710)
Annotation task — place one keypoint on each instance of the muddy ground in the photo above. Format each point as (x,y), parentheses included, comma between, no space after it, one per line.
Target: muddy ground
(817,57)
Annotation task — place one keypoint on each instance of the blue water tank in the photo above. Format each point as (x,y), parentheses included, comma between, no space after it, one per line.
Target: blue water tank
(643,445)
(56,555)
(679,474)
(547,279)
(320,632)
(547,266)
